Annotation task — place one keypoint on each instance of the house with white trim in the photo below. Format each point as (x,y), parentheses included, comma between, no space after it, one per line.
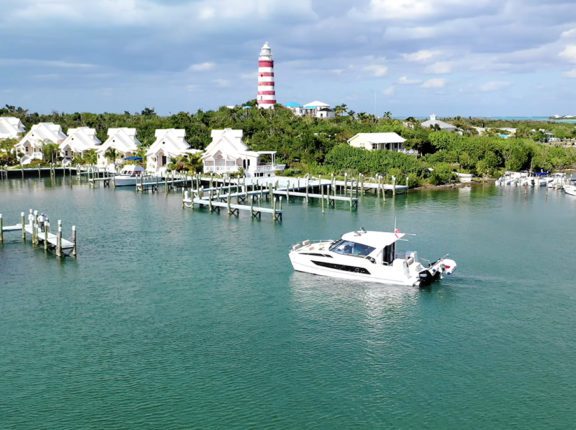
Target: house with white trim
(432,122)
(79,140)
(228,154)
(378,141)
(169,144)
(11,127)
(318,109)
(40,134)
(123,141)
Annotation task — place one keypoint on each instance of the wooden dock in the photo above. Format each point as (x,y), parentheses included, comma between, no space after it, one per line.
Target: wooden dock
(215,205)
(40,234)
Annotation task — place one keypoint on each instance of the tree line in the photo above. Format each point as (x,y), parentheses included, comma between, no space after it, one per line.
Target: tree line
(319,146)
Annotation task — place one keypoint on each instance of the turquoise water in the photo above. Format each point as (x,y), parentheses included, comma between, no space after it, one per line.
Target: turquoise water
(180,319)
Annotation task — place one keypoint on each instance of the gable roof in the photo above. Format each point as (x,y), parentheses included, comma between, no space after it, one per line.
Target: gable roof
(170,140)
(44,132)
(228,140)
(81,139)
(432,121)
(385,137)
(121,139)
(10,127)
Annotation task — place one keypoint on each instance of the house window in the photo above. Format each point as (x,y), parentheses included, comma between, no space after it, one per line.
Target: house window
(374,146)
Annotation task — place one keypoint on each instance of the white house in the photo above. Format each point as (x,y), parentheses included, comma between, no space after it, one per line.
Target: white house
(378,141)
(318,109)
(79,140)
(169,144)
(123,141)
(39,135)
(432,122)
(11,127)
(228,154)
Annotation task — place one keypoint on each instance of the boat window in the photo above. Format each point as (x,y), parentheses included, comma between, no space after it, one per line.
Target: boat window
(388,253)
(346,247)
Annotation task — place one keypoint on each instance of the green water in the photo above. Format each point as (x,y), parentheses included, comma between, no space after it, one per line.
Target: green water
(180,319)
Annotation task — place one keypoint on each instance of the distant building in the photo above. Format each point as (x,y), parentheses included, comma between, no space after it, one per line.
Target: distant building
(32,144)
(120,140)
(266,97)
(11,127)
(378,141)
(79,140)
(318,109)
(436,123)
(169,144)
(228,154)
(295,107)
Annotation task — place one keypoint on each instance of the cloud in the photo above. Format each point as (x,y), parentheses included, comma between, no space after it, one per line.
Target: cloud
(421,56)
(377,70)
(417,10)
(404,80)
(222,83)
(569,53)
(389,91)
(29,62)
(493,86)
(434,83)
(439,68)
(570,73)
(202,67)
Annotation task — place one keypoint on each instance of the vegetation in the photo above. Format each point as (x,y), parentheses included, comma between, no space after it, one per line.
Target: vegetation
(319,146)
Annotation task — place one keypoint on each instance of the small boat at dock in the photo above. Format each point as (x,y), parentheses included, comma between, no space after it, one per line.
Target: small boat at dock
(132,174)
(367,256)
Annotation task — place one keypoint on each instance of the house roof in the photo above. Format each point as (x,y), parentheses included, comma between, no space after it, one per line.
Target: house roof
(432,121)
(43,132)
(121,139)
(81,139)
(170,141)
(293,105)
(316,104)
(386,137)
(10,127)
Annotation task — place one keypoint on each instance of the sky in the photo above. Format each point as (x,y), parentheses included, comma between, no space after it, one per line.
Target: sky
(407,57)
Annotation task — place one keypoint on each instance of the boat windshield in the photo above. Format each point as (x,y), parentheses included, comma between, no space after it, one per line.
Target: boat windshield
(346,247)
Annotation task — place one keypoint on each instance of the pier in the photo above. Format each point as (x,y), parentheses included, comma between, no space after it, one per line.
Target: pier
(39,232)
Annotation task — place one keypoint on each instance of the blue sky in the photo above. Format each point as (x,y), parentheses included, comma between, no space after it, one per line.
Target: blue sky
(409,57)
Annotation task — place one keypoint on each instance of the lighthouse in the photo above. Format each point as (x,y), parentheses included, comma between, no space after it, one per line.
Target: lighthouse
(266,97)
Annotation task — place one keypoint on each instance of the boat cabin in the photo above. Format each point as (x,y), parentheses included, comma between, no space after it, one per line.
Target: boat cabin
(380,246)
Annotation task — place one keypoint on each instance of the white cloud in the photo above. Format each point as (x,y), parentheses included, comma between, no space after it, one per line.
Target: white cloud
(568,34)
(377,70)
(440,67)
(222,83)
(411,10)
(570,73)
(389,91)
(421,56)
(404,80)
(44,63)
(569,53)
(493,86)
(202,67)
(434,83)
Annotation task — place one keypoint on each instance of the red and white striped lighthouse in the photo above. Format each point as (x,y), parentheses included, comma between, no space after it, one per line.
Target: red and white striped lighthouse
(266,97)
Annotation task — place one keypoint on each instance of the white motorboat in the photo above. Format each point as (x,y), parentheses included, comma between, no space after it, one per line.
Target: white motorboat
(132,174)
(367,256)
(569,189)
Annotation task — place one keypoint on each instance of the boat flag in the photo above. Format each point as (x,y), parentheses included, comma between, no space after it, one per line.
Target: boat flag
(397,232)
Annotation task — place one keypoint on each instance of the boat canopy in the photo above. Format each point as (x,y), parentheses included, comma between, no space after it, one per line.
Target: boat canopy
(375,239)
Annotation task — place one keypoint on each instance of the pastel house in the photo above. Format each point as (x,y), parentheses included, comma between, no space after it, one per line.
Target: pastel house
(79,140)
(121,143)
(11,127)
(433,122)
(169,144)
(32,144)
(227,154)
(378,141)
